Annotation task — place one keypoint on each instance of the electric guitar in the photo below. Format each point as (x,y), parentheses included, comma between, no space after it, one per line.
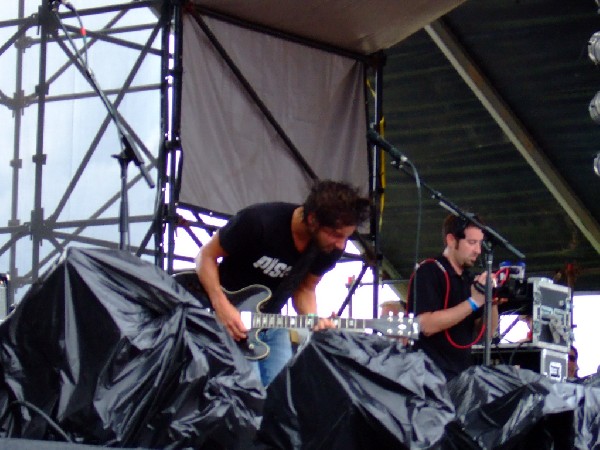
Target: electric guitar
(250,299)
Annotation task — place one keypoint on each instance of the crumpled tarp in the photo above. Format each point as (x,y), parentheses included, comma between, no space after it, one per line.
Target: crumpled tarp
(351,391)
(510,408)
(115,352)
(356,391)
(587,419)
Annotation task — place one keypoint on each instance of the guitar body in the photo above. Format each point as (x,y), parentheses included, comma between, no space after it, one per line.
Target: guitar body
(249,302)
(249,299)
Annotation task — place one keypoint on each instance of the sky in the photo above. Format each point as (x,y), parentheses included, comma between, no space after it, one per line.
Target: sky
(586,309)
(71,127)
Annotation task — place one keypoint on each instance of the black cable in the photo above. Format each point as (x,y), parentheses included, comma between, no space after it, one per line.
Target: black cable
(45,416)
(514,352)
(83,60)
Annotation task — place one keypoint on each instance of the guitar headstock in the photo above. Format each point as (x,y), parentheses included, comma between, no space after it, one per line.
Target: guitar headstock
(405,326)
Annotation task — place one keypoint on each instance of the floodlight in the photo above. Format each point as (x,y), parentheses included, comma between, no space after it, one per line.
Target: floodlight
(594,47)
(594,108)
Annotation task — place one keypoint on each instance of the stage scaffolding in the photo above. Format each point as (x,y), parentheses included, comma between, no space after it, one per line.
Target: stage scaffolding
(68,192)
(37,230)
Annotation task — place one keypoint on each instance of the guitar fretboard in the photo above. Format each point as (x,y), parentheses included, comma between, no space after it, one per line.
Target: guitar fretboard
(265,320)
(393,326)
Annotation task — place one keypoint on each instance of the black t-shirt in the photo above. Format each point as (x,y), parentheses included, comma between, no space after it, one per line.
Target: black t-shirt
(431,287)
(260,250)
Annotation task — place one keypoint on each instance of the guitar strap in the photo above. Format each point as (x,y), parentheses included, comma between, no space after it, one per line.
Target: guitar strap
(293,279)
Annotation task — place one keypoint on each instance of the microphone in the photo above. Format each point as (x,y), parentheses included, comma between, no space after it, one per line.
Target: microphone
(375,138)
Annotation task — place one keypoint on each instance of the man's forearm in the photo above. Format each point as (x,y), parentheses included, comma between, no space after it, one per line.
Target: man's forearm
(208,274)
(436,321)
(479,323)
(304,298)
(305,302)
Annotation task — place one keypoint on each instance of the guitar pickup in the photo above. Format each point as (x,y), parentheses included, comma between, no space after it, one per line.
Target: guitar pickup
(247,319)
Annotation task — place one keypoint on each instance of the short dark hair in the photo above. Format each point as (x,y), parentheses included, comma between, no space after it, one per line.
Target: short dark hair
(336,204)
(456,225)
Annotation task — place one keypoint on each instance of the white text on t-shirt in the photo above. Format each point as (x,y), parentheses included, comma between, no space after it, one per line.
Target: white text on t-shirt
(272,267)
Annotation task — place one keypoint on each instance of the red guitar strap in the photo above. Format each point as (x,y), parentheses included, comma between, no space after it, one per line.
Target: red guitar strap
(446,298)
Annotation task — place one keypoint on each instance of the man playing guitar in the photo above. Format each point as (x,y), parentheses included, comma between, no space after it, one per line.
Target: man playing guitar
(286,248)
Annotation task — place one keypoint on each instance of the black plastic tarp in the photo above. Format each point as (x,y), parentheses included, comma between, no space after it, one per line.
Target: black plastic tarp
(511,408)
(355,391)
(587,415)
(107,349)
(115,352)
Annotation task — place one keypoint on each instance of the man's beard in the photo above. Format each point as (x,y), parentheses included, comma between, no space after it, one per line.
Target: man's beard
(476,262)
(324,249)
(468,263)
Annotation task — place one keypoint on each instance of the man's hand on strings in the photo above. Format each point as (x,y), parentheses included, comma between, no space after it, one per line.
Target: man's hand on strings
(231,319)
(325,323)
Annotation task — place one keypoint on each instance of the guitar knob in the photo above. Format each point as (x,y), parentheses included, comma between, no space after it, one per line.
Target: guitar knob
(251,346)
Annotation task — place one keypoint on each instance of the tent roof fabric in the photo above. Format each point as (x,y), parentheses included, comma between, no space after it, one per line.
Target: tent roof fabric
(353,25)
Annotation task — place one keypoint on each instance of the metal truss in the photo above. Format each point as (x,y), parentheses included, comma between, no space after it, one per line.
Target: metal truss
(146,38)
(163,220)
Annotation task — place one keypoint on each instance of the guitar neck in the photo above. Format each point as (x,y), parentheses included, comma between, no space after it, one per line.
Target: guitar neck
(266,320)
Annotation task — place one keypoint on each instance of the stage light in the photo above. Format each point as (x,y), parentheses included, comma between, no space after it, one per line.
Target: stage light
(597,164)
(594,47)
(594,108)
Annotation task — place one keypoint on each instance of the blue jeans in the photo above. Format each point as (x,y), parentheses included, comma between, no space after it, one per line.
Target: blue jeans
(278,340)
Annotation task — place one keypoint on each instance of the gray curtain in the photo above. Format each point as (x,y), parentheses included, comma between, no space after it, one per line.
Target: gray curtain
(232,155)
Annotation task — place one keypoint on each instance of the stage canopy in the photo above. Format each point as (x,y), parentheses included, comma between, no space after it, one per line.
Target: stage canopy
(267,110)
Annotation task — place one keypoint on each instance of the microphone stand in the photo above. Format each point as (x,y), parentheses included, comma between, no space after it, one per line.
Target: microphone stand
(491,236)
(129,152)
(487,312)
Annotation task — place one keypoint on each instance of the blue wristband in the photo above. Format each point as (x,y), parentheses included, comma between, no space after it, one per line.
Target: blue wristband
(474,305)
